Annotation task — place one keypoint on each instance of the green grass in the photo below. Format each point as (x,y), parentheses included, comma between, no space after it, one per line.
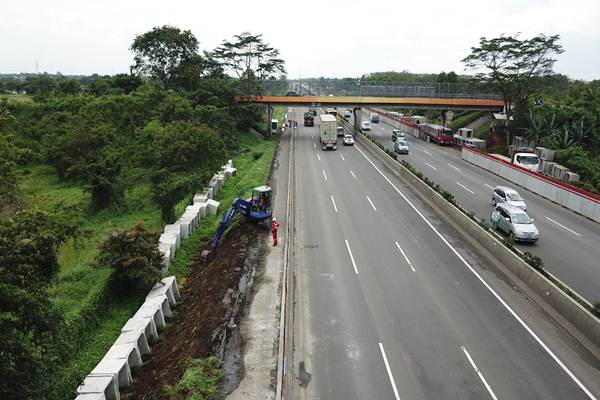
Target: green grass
(80,285)
(200,381)
(19,98)
(465,119)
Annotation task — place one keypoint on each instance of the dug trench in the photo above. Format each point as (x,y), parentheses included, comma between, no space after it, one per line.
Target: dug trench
(205,323)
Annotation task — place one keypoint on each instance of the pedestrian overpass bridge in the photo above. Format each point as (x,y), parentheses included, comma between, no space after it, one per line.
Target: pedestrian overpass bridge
(360,101)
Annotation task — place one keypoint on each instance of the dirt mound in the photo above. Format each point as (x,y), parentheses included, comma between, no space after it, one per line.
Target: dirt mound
(209,295)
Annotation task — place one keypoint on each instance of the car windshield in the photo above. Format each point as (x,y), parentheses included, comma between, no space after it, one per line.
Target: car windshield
(530,160)
(521,218)
(339,128)
(402,143)
(348,137)
(514,196)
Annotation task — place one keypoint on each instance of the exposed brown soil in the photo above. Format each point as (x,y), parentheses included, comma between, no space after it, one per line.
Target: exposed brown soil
(208,296)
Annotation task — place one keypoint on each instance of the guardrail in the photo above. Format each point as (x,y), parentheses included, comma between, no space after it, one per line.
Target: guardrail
(569,196)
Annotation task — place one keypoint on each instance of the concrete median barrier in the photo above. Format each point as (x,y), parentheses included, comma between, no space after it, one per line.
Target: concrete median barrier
(94,386)
(532,281)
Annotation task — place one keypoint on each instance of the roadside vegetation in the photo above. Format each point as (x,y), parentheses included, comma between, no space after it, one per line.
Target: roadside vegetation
(86,164)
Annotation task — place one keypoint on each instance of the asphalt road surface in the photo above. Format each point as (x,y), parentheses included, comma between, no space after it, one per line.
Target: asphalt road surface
(391,303)
(569,244)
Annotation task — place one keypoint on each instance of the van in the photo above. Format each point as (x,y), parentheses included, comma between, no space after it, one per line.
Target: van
(374,118)
(366,126)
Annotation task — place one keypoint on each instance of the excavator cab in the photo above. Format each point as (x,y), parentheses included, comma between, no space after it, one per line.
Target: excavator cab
(261,203)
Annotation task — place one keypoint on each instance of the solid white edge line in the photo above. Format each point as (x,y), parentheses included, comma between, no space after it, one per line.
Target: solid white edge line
(351,257)
(487,386)
(487,286)
(372,205)
(389,371)
(341,155)
(405,257)
(431,166)
(354,176)
(562,226)
(452,166)
(324,176)
(464,187)
(333,201)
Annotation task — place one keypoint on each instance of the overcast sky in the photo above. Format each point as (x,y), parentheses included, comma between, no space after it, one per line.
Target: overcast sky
(316,38)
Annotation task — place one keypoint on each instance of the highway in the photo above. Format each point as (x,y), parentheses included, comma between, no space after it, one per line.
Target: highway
(391,303)
(568,244)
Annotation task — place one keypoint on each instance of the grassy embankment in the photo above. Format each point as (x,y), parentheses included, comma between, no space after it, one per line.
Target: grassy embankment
(19,98)
(80,285)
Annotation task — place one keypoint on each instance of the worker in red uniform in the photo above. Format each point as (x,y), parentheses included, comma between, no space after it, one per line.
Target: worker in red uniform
(274,227)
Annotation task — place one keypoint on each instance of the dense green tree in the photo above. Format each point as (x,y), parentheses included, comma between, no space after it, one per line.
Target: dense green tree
(510,65)
(163,52)
(126,82)
(168,189)
(68,87)
(99,87)
(41,86)
(134,258)
(28,264)
(249,59)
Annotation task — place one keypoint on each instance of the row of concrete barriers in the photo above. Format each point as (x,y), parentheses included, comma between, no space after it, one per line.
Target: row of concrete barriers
(113,372)
(203,204)
(534,283)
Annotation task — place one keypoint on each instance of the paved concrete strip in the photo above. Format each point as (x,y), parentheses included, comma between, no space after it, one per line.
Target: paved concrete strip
(564,227)
(351,257)
(487,386)
(487,286)
(389,371)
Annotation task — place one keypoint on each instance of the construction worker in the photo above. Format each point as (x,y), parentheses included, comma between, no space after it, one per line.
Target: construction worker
(274,227)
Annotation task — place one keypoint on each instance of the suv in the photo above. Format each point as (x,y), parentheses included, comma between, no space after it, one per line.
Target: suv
(517,224)
(397,133)
(504,194)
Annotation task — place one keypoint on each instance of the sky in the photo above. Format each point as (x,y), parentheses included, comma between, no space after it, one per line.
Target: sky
(315,38)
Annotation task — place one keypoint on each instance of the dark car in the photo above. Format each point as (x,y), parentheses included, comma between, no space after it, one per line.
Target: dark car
(291,93)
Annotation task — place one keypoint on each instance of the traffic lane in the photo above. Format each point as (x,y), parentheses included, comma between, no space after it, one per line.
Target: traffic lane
(454,301)
(344,357)
(574,261)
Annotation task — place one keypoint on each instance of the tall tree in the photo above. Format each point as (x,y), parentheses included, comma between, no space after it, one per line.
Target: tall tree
(249,58)
(511,66)
(161,52)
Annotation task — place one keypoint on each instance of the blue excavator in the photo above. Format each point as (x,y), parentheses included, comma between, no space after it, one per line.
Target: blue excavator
(256,208)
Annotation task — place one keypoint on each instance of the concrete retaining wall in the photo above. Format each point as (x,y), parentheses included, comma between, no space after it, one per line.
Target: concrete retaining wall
(569,196)
(586,323)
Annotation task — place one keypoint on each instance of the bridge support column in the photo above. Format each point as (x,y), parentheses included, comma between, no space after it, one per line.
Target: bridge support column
(357,118)
(447,116)
(269,118)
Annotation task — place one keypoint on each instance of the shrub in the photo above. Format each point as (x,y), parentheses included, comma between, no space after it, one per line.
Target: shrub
(596,309)
(134,258)
(199,382)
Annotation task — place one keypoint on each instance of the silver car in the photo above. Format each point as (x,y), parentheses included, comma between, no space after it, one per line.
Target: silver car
(401,147)
(504,194)
(396,134)
(517,224)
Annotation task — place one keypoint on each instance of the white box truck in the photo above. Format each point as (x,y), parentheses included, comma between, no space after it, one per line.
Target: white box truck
(328,131)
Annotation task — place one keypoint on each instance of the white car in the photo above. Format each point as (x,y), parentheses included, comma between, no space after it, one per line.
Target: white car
(505,194)
(366,126)
(517,224)
(397,133)
(348,140)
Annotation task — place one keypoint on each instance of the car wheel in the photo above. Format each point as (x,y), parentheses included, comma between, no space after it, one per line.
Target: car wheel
(494,201)
(512,237)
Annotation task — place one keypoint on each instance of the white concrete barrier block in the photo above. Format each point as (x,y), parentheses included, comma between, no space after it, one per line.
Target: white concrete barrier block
(106,386)
(208,192)
(151,311)
(92,396)
(212,207)
(230,163)
(166,259)
(172,282)
(168,238)
(163,303)
(175,230)
(188,225)
(116,367)
(126,351)
(147,325)
(165,249)
(161,289)
(138,337)
(200,198)
(230,171)
(201,209)
(193,210)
